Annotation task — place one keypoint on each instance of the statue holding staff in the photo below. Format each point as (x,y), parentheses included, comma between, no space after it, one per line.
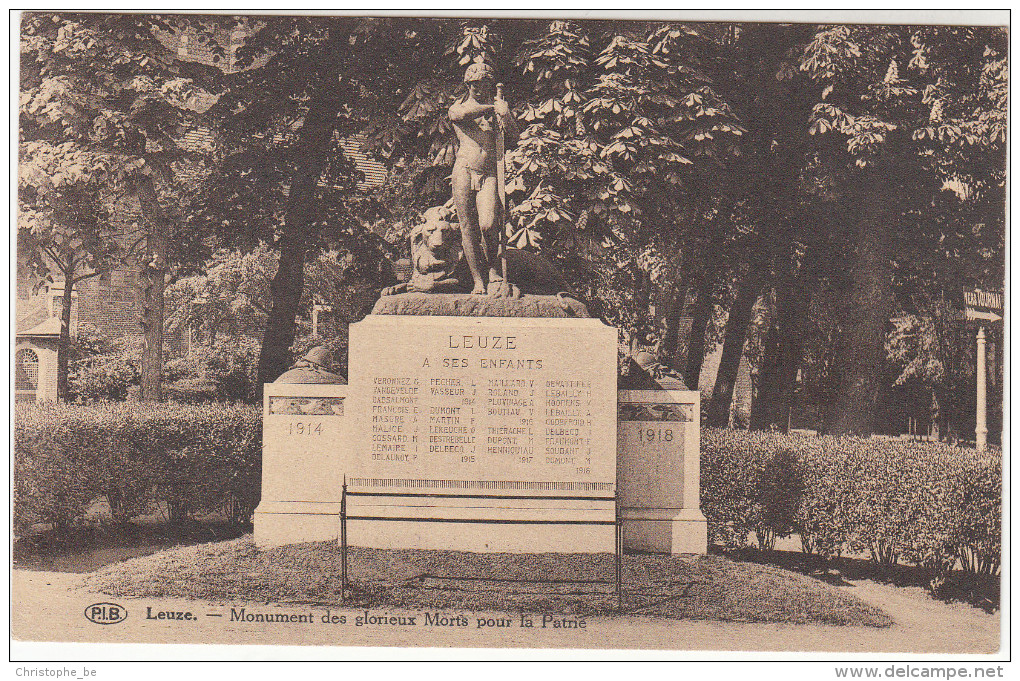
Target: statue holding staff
(479,118)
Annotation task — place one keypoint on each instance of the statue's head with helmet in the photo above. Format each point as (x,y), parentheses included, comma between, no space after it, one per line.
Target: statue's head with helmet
(479,71)
(480,79)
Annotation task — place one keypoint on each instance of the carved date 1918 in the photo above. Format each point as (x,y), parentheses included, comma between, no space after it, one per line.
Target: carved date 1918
(655,435)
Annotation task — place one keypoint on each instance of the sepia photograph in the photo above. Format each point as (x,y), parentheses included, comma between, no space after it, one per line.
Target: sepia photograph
(474,336)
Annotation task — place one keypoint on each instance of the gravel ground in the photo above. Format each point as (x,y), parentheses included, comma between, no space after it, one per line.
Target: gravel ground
(48,606)
(674,587)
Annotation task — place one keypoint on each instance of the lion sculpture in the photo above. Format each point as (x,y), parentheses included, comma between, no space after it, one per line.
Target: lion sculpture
(438,264)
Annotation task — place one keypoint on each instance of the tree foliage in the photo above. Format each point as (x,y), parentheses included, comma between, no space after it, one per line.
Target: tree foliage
(109,98)
(814,197)
(909,127)
(298,87)
(63,226)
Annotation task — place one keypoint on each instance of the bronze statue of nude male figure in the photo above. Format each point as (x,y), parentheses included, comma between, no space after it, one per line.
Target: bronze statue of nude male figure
(475,118)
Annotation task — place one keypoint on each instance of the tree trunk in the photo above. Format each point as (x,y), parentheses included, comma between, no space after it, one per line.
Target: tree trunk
(948,429)
(777,379)
(700,316)
(783,347)
(64,343)
(733,346)
(153,286)
(763,406)
(865,352)
(642,300)
(674,313)
(313,147)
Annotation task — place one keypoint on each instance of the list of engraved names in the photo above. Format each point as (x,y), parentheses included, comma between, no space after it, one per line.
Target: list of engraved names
(481,406)
(487,416)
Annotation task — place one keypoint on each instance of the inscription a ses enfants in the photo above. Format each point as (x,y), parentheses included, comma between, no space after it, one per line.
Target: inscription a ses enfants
(506,343)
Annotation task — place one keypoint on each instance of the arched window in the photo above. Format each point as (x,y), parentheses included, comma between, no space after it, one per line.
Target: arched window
(26,370)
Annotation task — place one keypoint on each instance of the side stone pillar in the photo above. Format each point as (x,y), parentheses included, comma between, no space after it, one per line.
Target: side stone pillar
(305,445)
(659,471)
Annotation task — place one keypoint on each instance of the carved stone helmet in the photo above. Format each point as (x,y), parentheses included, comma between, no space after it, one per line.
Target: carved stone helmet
(648,362)
(664,377)
(478,71)
(319,355)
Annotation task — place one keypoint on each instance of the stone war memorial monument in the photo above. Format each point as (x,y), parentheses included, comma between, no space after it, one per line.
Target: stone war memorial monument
(483,410)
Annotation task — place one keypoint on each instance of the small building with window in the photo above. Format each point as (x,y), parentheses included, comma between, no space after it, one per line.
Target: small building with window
(35,362)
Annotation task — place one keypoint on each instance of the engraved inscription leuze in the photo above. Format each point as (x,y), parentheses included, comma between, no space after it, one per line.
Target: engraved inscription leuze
(477,404)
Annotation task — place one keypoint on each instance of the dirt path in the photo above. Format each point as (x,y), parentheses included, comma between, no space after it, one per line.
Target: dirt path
(50,606)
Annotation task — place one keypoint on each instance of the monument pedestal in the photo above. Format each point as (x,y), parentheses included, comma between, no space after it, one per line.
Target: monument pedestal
(280,523)
(664,531)
(461,305)
(489,434)
(305,440)
(659,471)
(482,434)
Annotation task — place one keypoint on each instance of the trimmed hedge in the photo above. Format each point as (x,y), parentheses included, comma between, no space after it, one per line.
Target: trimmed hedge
(928,504)
(193,458)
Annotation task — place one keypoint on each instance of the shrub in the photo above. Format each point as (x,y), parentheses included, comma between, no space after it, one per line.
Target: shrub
(223,371)
(750,483)
(777,494)
(108,376)
(89,342)
(192,391)
(54,481)
(193,458)
(181,368)
(928,504)
(977,501)
(728,463)
(824,506)
(232,368)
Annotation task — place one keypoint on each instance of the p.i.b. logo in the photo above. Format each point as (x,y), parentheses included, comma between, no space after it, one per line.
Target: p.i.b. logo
(106,613)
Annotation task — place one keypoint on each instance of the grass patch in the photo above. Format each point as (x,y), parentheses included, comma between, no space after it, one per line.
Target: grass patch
(677,587)
(979,591)
(95,546)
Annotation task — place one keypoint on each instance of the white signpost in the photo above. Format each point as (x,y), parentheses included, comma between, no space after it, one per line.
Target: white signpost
(982,306)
